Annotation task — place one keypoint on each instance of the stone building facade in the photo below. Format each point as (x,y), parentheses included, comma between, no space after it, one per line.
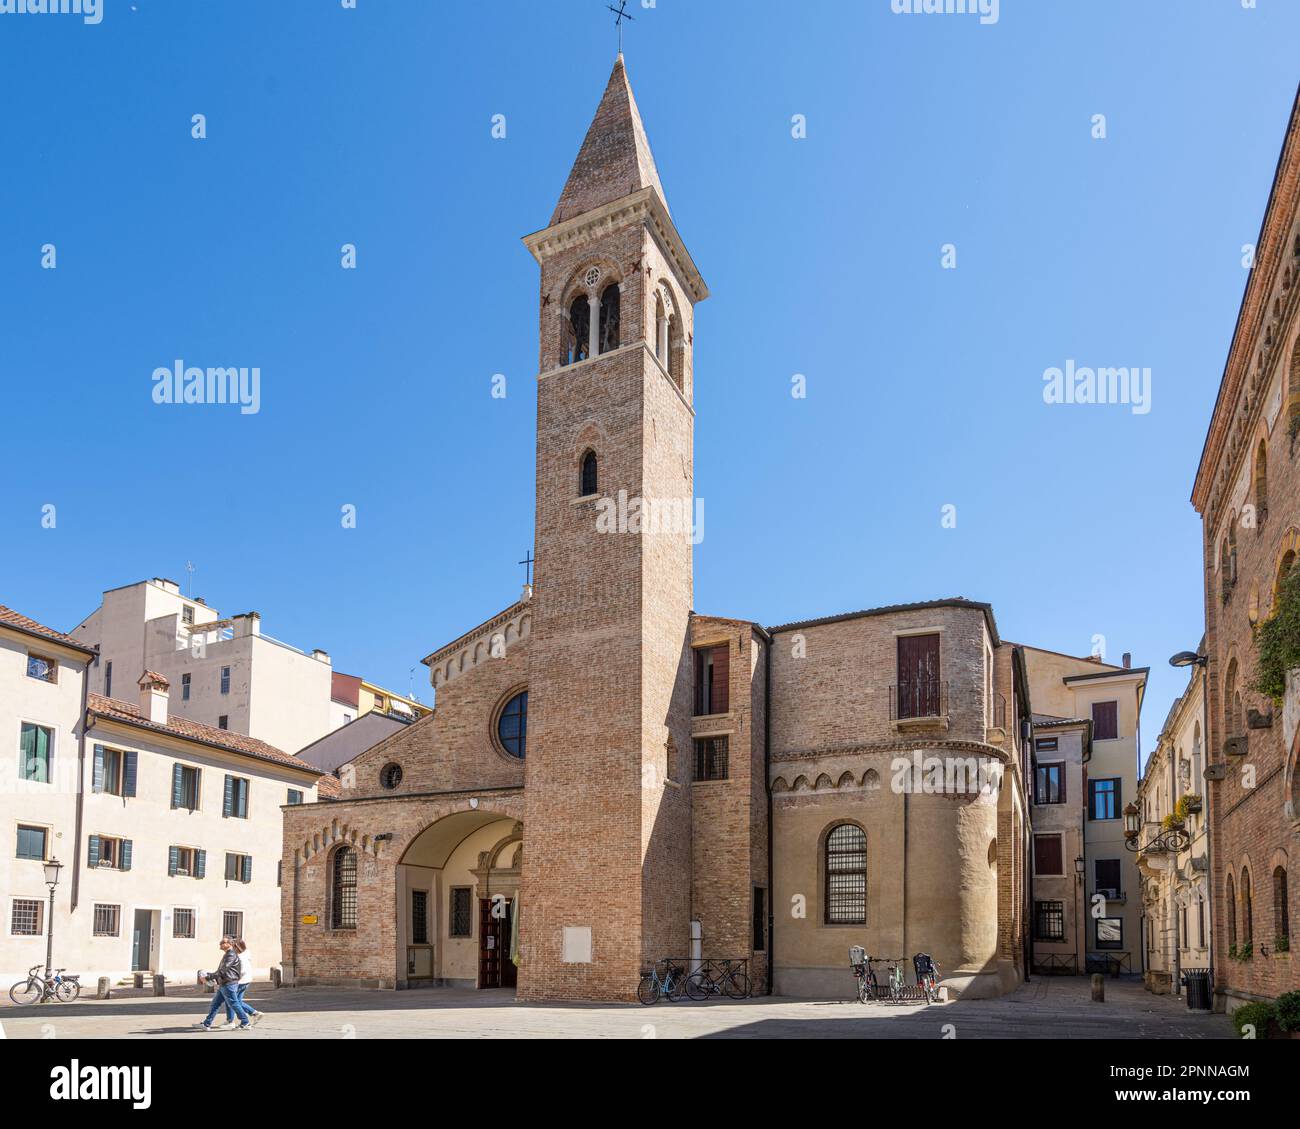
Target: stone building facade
(1247,491)
(608,778)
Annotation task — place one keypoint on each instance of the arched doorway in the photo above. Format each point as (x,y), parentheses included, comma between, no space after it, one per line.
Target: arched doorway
(457,902)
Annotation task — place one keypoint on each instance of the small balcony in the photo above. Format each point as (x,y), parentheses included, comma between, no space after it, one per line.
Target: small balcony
(919,704)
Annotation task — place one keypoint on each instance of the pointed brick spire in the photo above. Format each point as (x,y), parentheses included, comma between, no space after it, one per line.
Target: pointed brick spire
(615,159)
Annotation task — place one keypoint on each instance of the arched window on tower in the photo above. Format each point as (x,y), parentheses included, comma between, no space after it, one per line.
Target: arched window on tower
(661,330)
(1281,912)
(1261,482)
(577,331)
(1247,908)
(343,892)
(846,875)
(1231,701)
(609,308)
(587,480)
(1231,901)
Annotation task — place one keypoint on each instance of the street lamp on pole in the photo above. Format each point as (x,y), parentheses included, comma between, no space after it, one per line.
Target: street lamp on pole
(52,869)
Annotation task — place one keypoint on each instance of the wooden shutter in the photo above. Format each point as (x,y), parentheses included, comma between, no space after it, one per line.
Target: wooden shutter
(126,854)
(26,750)
(700,667)
(247,870)
(178,797)
(97,773)
(718,696)
(1047,854)
(128,773)
(92,853)
(228,804)
(173,860)
(200,863)
(1105,721)
(918,676)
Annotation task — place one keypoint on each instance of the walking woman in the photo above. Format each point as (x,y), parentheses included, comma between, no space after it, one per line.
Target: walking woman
(245,979)
(226,978)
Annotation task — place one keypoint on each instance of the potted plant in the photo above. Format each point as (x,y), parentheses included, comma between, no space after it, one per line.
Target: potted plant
(1188,804)
(1171,822)
(1286,1017)
(1257,1015)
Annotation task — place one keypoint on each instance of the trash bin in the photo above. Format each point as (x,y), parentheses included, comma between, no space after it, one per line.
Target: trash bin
(1197,983)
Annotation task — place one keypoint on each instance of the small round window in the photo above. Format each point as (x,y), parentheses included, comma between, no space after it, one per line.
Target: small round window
(391,776)
(512,725)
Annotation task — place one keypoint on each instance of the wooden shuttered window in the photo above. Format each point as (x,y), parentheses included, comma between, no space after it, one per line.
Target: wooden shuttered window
(1105,721)
(712,679)
(919,690)
(1047,854)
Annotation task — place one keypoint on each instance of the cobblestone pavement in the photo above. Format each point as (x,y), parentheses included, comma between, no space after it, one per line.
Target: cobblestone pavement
(1048,1008)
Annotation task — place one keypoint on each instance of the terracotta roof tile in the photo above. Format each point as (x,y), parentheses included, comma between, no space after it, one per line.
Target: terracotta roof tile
(13,619)
(188,730)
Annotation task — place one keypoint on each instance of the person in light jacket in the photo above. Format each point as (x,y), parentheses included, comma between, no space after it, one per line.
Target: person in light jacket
(245,979)
(226,978)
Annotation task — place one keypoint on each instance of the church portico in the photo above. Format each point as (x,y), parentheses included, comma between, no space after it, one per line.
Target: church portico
(397,893)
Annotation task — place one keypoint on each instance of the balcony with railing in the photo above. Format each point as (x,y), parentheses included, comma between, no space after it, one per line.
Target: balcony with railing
(919,703)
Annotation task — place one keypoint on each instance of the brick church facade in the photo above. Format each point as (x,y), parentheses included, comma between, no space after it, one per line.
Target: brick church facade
(609,778)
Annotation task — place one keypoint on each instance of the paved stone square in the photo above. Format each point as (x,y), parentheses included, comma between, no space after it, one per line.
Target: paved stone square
(1046,1008)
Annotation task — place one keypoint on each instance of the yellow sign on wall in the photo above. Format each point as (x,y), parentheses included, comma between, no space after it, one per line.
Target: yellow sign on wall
(309,919)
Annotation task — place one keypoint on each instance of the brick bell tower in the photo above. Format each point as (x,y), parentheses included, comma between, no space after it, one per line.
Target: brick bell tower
(607,832)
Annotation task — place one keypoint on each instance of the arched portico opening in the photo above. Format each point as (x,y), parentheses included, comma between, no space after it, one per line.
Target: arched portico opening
(457,902)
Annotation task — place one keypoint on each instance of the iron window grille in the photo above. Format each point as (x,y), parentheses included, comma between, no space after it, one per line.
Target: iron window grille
(711,756)
(462,922)
(183,924)
(343,908)
(846,875)
(27,918)
(1049,921)
(106,920)
(232,924)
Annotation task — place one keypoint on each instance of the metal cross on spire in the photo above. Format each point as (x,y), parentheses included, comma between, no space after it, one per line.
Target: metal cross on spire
(528,562)
(621,14)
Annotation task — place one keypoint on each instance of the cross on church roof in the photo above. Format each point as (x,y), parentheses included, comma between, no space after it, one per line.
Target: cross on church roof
(621,14)
(528,562)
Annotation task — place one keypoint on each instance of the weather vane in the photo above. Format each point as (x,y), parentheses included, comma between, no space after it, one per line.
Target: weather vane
(621,14)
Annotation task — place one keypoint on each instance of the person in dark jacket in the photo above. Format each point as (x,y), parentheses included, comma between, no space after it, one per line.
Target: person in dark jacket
(226,978)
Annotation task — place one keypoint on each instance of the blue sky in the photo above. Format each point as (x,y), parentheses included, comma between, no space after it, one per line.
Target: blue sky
(373,126)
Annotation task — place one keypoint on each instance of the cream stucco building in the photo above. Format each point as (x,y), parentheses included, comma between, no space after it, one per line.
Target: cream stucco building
(1175,868)
(168,830)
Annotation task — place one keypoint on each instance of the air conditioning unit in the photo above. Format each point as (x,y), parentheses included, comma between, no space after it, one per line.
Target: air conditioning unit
(1236,746)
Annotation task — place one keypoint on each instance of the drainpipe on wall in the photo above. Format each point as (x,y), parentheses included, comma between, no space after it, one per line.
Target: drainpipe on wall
(81,786)
(767,786)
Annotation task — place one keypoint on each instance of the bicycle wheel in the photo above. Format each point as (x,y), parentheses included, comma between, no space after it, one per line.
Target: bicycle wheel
(736,984)
(675,985)
(68,991)
(862,989)
(699,986)
(26,992)
(648,990)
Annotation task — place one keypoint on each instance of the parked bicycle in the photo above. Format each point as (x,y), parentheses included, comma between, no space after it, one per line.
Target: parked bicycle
(666,978)
(36,989)
(868,985)
(897,988)
(927,976)
(718,978)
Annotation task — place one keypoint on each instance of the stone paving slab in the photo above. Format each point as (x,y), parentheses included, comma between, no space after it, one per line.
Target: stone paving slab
(1046,1008)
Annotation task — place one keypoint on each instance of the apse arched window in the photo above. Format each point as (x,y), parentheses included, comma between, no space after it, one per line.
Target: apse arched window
(1281,914)
(1247,909)
(1261,481)
(846,875)
(587,479)
(609,308)
(343,899)
(578,330)
(512,725)
(1230,700)
(1231,899)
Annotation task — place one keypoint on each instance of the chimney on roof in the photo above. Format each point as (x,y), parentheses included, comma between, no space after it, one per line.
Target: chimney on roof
(1128,659)
(153,697)
(321,656)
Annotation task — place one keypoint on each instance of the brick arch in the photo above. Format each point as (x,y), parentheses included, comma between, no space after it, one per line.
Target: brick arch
(1288,552)
(576,282)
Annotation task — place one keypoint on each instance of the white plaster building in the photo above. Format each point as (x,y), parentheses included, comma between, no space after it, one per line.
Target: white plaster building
(223,671)
(169,831)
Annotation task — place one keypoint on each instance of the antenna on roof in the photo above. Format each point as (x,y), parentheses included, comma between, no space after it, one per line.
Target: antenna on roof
(189,584)
(621,14)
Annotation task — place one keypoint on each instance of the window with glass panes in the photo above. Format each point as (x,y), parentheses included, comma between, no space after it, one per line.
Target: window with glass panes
(26,917)
(106,920)
(846,875)
(35,752)
(183,923)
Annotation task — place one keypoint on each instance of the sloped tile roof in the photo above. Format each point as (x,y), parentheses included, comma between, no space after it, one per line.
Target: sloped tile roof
(11,618)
